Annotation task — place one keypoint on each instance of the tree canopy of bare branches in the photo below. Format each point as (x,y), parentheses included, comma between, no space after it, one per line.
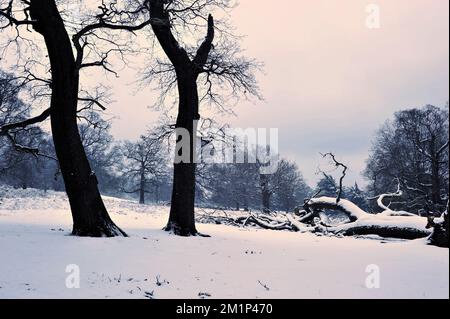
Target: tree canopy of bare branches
(144,164)
(72,42)
(412,149)
(194,68)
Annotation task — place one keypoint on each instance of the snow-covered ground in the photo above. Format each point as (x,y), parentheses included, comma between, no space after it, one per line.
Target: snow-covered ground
(36,248)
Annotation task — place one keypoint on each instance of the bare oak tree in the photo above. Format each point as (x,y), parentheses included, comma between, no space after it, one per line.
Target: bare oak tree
(89,213)
(215,66)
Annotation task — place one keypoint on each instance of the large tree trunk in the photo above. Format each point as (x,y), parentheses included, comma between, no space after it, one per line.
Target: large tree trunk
(182,219)
(182,216)
(90,216)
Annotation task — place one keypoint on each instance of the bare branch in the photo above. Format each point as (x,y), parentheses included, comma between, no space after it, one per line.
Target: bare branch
(205,48)
(92,101)
(344,171)
(12,21)
(381,197)
(40,118)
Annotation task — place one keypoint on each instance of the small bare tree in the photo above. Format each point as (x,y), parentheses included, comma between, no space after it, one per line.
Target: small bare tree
(143,164)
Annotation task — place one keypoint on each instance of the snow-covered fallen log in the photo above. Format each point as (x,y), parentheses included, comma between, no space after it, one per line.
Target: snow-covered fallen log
(247,219)
(297,225)
(386,224)
(274,225)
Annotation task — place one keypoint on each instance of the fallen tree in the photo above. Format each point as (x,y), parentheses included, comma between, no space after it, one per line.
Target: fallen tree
(388,224)
(384,224)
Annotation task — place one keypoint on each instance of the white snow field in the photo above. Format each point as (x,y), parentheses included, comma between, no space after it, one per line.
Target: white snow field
(36,249)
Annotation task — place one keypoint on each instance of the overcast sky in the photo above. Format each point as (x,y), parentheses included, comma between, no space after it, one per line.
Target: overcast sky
(329,81)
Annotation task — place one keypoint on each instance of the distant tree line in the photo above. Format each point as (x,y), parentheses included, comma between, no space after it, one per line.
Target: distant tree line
(139,169)
(409,152)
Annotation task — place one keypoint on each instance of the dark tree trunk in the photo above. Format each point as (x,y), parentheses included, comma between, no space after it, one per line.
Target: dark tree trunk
(265,193)
(142,188)
(157,193)
(182,218)
(246,201)
(90,217)
(182,215)
(436,184)
(435,176)
(266,201)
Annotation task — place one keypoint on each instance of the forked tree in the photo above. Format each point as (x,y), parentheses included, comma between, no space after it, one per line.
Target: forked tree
(211,72)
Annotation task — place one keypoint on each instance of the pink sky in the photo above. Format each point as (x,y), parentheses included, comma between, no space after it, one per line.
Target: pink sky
(330,81)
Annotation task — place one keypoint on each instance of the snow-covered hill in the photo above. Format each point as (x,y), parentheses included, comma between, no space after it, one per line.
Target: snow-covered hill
(36,249)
